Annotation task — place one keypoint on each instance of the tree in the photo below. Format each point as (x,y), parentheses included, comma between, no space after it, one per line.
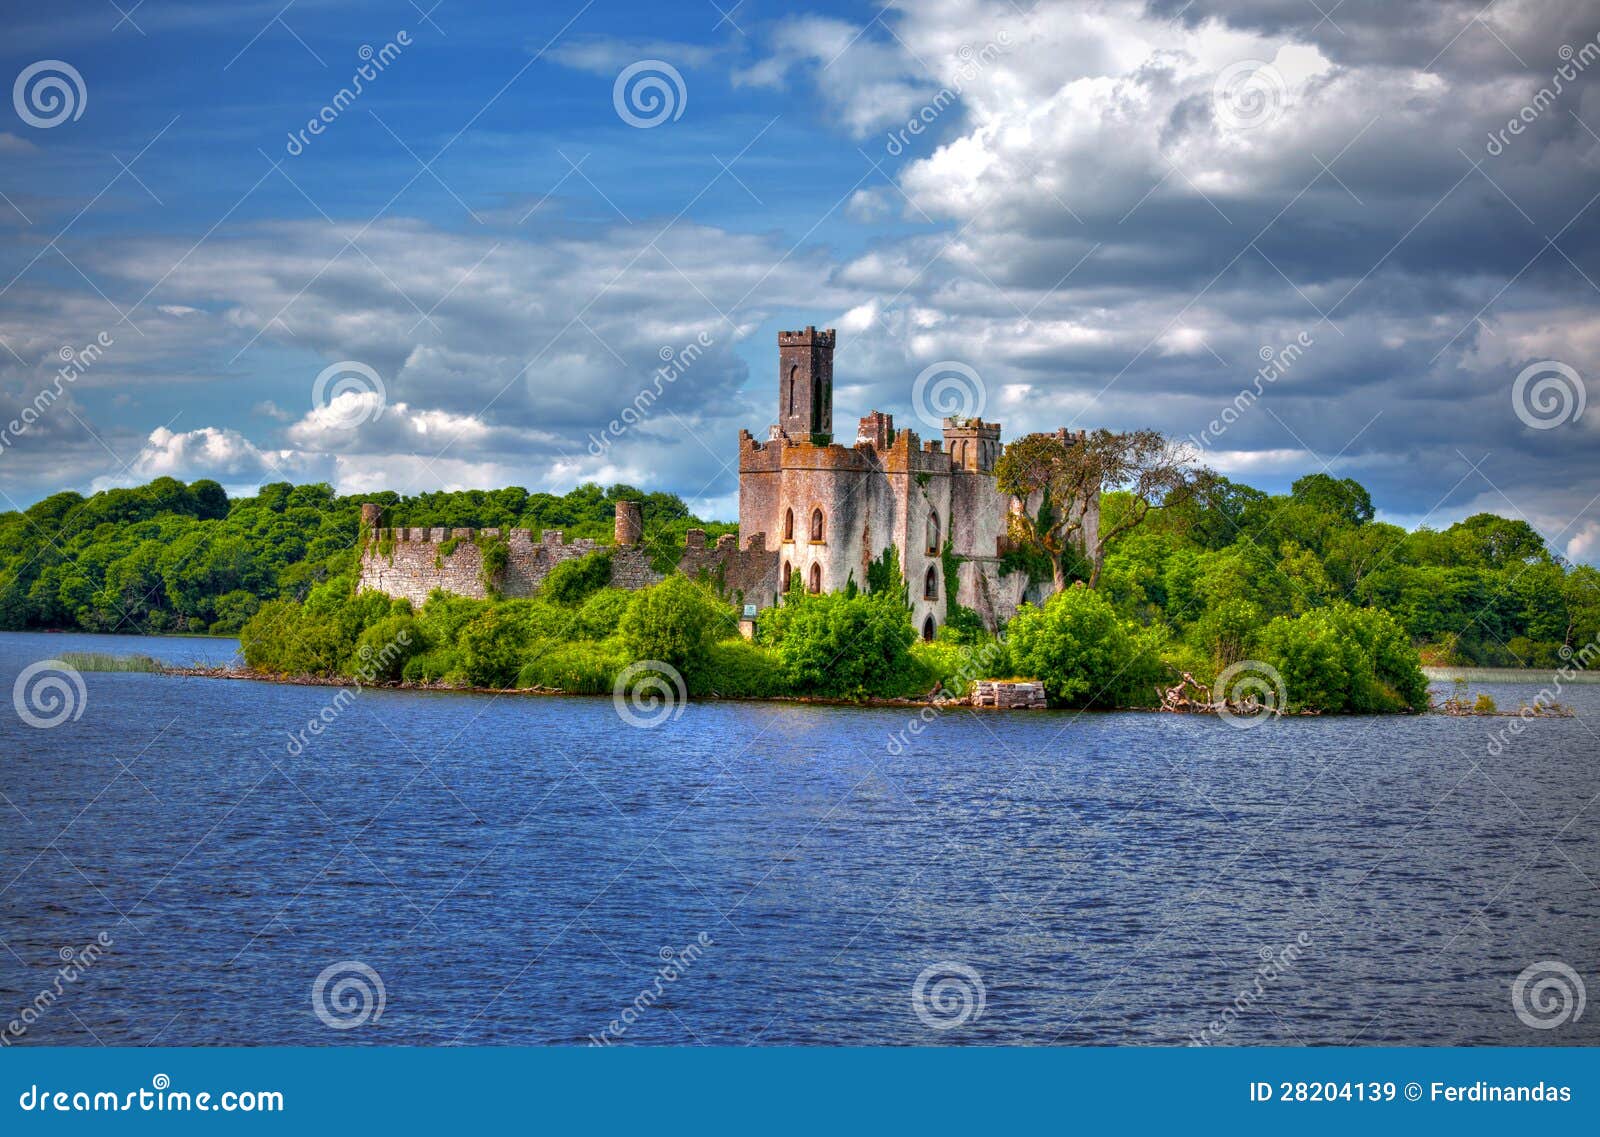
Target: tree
(674,622)
(1083,653)
(1066,473)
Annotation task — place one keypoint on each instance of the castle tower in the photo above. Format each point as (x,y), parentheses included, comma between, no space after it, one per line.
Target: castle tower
(629,524)
(371,515)
(973,445)
(805,382)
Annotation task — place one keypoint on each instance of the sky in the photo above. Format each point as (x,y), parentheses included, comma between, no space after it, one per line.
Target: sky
(508,219)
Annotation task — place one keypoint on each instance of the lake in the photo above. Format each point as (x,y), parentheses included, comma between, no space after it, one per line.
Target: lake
(515,869)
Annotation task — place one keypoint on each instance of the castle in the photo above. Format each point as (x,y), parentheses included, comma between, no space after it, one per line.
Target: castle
(810,510)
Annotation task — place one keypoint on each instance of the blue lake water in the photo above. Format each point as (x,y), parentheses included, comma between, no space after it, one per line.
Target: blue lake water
(514,870)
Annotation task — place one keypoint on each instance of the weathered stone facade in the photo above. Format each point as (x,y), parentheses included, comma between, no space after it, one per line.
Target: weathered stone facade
(412,562)
(807,505)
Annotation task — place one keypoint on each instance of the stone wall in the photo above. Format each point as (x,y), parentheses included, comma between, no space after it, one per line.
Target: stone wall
(411,562)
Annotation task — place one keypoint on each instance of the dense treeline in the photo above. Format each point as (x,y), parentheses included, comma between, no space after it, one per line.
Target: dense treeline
(169,557)
(1306,582)
(1219,568)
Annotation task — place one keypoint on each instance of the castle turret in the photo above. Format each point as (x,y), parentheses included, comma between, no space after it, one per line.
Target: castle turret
(805,382)
(629,524)
(974,445)
(371,515)
(877,429)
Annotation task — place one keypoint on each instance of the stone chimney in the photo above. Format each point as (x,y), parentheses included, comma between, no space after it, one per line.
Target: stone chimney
(630,524)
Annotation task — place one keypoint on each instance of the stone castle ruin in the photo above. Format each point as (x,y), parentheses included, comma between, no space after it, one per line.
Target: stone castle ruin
(810,510)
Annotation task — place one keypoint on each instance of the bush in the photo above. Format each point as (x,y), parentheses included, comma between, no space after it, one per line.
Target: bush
(384,649)
(584,668)
(841,645)
(1084,654)
(601,614)
(1356,660)
(737,669)
(674,622)
(572,582)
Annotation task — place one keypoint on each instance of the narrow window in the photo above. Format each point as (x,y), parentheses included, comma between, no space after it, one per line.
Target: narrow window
(928,630)
(788,525)
(788,575)
(793,371)
(933,533)
(816,524)
(816,578)
(930,584)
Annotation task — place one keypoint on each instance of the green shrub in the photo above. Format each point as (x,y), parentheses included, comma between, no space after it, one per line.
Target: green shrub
(572,582)
(442,664)
(675,622)
(738,669)
(384,649)
(1357,660)
(582,667)
(599,616)
(841,645)
(1084,654)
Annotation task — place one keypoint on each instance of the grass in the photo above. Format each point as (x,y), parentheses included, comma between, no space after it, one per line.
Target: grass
(105,661)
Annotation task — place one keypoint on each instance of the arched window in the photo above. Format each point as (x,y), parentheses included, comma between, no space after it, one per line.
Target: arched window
(816,404)
(933,532)
(788,525)
(930,584)
(816,578)
(928,629)
(816,524)
(788,576)
(793,379)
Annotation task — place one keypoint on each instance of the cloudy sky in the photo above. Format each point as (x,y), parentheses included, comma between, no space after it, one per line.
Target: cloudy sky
(1095,214)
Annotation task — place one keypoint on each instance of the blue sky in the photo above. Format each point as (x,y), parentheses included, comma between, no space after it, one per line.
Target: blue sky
(1111,213)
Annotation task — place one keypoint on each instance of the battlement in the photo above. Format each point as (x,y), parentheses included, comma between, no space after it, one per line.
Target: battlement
(809,336)
(974,444)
